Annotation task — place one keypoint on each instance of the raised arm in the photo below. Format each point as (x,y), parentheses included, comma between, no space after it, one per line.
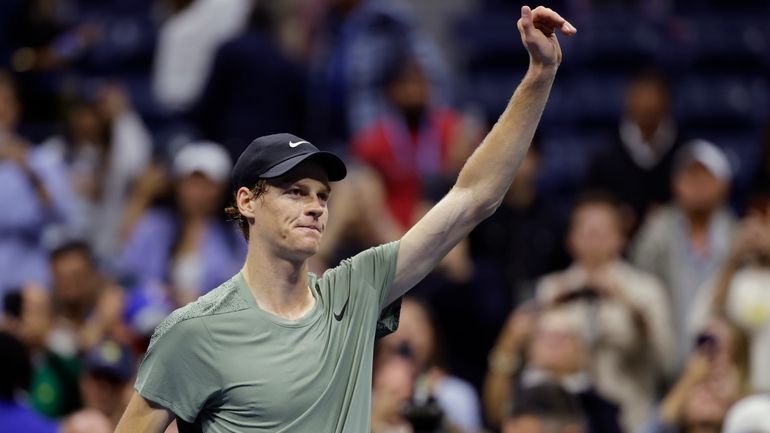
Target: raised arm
(488,173)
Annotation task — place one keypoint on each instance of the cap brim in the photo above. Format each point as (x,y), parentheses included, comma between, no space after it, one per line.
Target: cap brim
(330,162)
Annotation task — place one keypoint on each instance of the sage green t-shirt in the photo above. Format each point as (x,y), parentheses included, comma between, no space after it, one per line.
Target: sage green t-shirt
(222,364)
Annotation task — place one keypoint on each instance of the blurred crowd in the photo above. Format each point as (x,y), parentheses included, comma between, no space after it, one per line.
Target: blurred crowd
(622,286)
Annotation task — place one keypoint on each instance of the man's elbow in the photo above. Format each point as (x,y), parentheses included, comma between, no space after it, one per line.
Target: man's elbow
(477,207)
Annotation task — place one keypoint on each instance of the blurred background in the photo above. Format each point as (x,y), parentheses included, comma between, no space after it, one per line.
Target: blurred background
(622,286)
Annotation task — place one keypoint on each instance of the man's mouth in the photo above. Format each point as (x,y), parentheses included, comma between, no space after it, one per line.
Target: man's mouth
(314,228)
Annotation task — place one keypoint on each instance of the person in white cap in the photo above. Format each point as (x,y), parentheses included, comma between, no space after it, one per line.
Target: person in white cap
(684,243)
(187,245)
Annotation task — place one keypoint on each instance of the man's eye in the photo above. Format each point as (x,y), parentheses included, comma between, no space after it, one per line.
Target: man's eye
(295,191)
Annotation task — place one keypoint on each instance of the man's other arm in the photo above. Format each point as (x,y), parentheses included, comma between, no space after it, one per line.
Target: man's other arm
(488,173)
(142,416)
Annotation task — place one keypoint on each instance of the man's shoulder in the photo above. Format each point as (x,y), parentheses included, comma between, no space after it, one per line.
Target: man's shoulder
(222,300)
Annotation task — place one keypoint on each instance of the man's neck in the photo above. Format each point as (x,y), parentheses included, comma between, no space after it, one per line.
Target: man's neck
(279,286)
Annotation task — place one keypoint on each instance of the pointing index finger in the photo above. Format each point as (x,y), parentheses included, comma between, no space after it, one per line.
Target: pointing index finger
(546,17)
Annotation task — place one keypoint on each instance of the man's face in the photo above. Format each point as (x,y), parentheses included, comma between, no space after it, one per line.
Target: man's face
(595,234)
(556,346)
(647,103)
(410,91)
(698,190)
(199,195)
(290,216)
(75,279)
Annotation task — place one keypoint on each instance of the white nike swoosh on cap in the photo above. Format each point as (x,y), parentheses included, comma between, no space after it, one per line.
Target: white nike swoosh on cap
(293,144)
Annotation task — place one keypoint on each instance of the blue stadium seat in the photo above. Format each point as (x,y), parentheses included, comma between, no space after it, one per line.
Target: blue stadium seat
(722,100)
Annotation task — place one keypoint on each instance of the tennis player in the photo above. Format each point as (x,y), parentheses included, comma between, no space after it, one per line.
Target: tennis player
(277,349)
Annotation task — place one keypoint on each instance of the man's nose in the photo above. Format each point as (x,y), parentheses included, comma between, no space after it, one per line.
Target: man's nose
(315,208)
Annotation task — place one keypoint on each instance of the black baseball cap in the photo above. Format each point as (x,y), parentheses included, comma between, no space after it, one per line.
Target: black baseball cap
(271,156)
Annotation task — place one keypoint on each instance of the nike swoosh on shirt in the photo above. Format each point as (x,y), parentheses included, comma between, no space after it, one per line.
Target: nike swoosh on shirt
(293,144)
(342,312)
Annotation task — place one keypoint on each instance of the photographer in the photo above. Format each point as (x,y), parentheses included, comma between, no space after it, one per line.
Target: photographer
(714,379)
(623,311)
(544,347)
(431,400)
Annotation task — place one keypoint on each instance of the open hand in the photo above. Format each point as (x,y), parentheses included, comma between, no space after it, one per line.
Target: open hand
(537,28)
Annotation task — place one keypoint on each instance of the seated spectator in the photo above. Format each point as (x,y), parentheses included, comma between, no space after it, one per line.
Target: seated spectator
(15,372)
(35,194)
(539,347)
(105,383)
(543,408)
(89,306)
(739,292)
(636,166)
(623,309)
(28,315)
(413,142)
(417,339)
(187,244)
(393,385)
(684,243)
(715,377)
(105,147)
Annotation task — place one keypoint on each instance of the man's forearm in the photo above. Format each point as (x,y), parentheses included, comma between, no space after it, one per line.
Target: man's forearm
(490,170)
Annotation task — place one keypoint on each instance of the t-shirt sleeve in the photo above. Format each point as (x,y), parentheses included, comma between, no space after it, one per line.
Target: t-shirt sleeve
(178,370)
(374,269)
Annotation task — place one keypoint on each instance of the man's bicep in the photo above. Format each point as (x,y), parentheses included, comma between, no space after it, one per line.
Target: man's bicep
(430,239)
(144,416)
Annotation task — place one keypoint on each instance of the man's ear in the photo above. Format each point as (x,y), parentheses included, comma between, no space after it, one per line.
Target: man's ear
(245,201)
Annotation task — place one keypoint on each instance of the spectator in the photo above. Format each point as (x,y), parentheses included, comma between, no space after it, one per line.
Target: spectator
(53,388)
(232,113)
(417,338)
(624,310)
(543,408)
(187,244)
(351,49)
(186,45)
(34,195)
(413,142)
(544,347)
(106,380)
(105,147)
(739,291)
(15,372)
(391,390)
(684,243)
(715,378)
(636,166)
(88,304)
